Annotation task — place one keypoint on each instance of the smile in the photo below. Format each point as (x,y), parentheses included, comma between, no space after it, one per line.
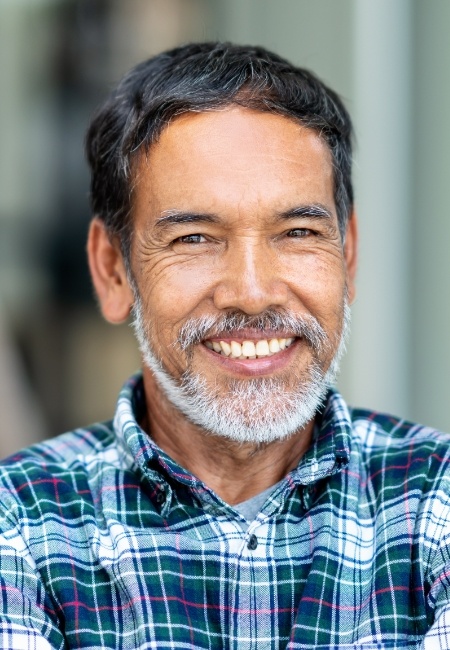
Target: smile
(249,349)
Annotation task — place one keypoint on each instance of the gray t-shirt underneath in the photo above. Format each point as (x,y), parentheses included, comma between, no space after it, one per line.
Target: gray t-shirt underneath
(250,508)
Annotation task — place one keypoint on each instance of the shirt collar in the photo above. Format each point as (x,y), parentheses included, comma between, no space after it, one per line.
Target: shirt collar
(329,452)
(137,448)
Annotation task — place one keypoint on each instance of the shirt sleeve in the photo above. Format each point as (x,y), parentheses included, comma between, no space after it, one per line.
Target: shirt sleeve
(438,636)
(28,619)
(438,582)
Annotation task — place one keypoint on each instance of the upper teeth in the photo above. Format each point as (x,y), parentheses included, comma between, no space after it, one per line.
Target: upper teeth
(249,349)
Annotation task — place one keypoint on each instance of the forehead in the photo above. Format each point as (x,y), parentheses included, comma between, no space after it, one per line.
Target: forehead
(231,159)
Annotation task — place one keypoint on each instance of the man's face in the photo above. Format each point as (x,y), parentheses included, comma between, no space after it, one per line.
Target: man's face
(239,264)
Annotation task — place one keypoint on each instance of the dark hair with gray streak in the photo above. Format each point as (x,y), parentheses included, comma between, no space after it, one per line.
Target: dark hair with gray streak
(204,77)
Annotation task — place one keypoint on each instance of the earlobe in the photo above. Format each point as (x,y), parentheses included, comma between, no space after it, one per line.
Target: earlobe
(108,274)
(351,254)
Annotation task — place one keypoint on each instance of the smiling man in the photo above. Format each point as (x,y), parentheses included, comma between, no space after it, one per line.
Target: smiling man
(235,501)
(238,284)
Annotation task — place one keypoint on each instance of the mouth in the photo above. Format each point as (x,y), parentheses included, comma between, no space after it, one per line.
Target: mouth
(242,349)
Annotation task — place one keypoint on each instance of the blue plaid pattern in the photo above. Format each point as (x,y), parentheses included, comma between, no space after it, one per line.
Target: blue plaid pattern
(106,542)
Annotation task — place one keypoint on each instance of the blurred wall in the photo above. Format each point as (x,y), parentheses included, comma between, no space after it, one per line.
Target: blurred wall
(429,254)
(59,57)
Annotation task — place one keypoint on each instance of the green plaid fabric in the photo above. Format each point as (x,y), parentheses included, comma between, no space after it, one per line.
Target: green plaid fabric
(107,543)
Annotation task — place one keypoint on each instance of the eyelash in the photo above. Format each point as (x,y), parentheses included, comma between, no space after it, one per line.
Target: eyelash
(184,239)
(195,237)
(305,232)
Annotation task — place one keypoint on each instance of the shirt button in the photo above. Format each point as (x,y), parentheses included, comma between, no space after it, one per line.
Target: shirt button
(252,543)
(160,497)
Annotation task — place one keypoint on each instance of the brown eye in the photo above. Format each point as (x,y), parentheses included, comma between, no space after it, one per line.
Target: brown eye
(299,232)
(190,239)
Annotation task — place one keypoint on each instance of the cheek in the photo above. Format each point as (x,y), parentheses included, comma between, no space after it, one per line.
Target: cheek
(320,286)
(175,295)
(319,277)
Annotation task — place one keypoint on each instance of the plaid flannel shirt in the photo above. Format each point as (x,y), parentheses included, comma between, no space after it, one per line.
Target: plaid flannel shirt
(106,542)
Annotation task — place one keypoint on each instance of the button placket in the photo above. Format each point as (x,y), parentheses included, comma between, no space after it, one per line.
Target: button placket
(162,498)
(250,601)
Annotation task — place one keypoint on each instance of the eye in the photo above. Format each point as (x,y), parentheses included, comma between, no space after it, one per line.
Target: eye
(299,232)
(190,239)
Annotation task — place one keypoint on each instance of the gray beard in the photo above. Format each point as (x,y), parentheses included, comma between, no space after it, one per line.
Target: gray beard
(255,410)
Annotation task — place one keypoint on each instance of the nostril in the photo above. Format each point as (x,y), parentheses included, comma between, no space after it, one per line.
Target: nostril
(251,300)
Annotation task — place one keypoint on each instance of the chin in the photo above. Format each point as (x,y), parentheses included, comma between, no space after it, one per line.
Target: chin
(258,410)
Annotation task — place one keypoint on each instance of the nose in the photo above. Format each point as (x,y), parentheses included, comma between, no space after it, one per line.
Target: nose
(251,280)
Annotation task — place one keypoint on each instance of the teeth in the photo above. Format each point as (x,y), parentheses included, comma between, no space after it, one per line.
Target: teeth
(249,349)
(274,346)
(235,349)
(226,348)
(262,348)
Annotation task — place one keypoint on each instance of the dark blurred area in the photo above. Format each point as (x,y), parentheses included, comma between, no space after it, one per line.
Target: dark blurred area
(62,58)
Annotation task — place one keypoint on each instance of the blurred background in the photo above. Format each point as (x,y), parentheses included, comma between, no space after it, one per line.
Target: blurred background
(60,365)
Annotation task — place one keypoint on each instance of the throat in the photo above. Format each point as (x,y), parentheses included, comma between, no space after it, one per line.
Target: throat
(235,471)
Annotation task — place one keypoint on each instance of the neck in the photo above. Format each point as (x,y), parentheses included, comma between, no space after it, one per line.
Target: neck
(235,471)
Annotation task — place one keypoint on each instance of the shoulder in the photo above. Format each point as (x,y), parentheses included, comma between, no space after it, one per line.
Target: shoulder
(378,430)
(57,467)
(63,450)
(399,452)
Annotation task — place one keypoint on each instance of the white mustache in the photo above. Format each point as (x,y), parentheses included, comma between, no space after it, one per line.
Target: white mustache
(196,330)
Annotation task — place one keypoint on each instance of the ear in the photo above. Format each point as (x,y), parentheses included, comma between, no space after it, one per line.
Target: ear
(108,274)
(351,254)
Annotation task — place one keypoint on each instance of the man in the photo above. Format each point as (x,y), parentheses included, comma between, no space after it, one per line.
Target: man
(235,501)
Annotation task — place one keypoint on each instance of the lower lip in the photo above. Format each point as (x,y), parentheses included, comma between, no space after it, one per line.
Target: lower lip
(254,367)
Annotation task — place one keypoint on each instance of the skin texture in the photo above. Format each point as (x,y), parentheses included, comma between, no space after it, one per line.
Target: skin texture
(235,172)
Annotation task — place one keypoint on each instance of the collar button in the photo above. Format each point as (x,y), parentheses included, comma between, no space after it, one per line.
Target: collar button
(160,498)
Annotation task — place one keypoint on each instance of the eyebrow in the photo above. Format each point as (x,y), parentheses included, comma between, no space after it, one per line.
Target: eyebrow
(175,217)
(314,211)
